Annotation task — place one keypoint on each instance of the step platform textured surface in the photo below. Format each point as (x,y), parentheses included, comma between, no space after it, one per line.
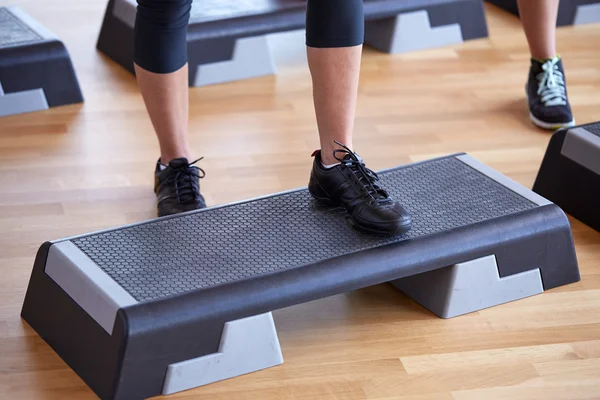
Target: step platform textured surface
(229,40)
(570,12)
(123,307)
(570,173)
(35,68)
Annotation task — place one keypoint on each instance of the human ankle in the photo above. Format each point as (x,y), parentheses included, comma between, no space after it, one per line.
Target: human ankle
(166,158)
(328,159)
(328,156)
(545,59)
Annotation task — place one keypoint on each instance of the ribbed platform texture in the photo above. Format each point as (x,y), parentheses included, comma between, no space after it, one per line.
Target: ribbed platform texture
(214,246)
(594,128)
(13,31)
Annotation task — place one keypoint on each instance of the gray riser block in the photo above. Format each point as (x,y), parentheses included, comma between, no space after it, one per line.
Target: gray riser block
(570,12)
(410,32)
(247,345)
(22,102)
(255,56)
(251,58)
(435,26)
(587,14)
(468,287)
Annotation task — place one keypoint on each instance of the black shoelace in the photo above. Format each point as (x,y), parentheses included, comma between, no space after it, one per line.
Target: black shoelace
(186,178)
(365,177)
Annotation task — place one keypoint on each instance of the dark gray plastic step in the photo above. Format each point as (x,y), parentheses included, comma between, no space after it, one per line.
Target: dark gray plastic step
(229,41)
(570,12)
(35,68)
(158,306)
(570,172)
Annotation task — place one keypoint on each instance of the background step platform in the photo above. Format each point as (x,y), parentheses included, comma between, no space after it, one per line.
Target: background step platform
(229,41)
(136,315)
(570,172)
(35,68)
(570,12)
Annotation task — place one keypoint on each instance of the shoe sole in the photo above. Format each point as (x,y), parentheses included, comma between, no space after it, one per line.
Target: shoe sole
(550,125)
(329,204)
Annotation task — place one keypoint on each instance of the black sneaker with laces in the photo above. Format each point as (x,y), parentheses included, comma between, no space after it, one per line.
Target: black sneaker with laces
(546,89)
(352,185)
(177,187)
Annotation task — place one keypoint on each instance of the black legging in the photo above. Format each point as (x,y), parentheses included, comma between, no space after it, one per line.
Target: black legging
(160,44)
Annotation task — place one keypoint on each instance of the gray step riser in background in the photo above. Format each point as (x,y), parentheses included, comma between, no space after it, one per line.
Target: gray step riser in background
(226,58)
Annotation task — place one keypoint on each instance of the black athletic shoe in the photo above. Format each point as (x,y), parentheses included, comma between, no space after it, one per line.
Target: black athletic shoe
(352,185)
(547,95)
(177,187)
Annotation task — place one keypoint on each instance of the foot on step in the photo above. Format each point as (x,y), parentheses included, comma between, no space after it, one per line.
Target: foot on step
(350,184)
(177,187)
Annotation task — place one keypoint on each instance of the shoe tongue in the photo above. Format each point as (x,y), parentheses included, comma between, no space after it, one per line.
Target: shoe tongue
(538,64)
(348,158)
(179,163)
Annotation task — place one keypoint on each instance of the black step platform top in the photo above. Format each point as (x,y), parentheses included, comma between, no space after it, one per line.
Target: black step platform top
(216,10)
(219,10)
(166,257)
(220,14)
(13,31)
(593,128)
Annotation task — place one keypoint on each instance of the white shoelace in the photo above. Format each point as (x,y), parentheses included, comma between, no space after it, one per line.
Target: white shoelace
(551,84)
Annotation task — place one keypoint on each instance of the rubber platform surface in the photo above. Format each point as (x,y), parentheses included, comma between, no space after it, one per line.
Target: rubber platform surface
(594,128)
(13,31)
(170,256)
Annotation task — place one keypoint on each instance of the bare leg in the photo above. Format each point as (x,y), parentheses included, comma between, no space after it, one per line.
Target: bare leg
(335,73)
(539,24)
(166,98)
(334,36)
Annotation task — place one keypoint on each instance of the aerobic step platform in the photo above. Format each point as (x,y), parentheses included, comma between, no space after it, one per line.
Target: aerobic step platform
(35,68)
(182,301)
(570,12)
(570,172)
(229,40)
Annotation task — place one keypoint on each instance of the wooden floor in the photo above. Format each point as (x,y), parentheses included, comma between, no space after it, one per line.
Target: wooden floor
(86,167)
